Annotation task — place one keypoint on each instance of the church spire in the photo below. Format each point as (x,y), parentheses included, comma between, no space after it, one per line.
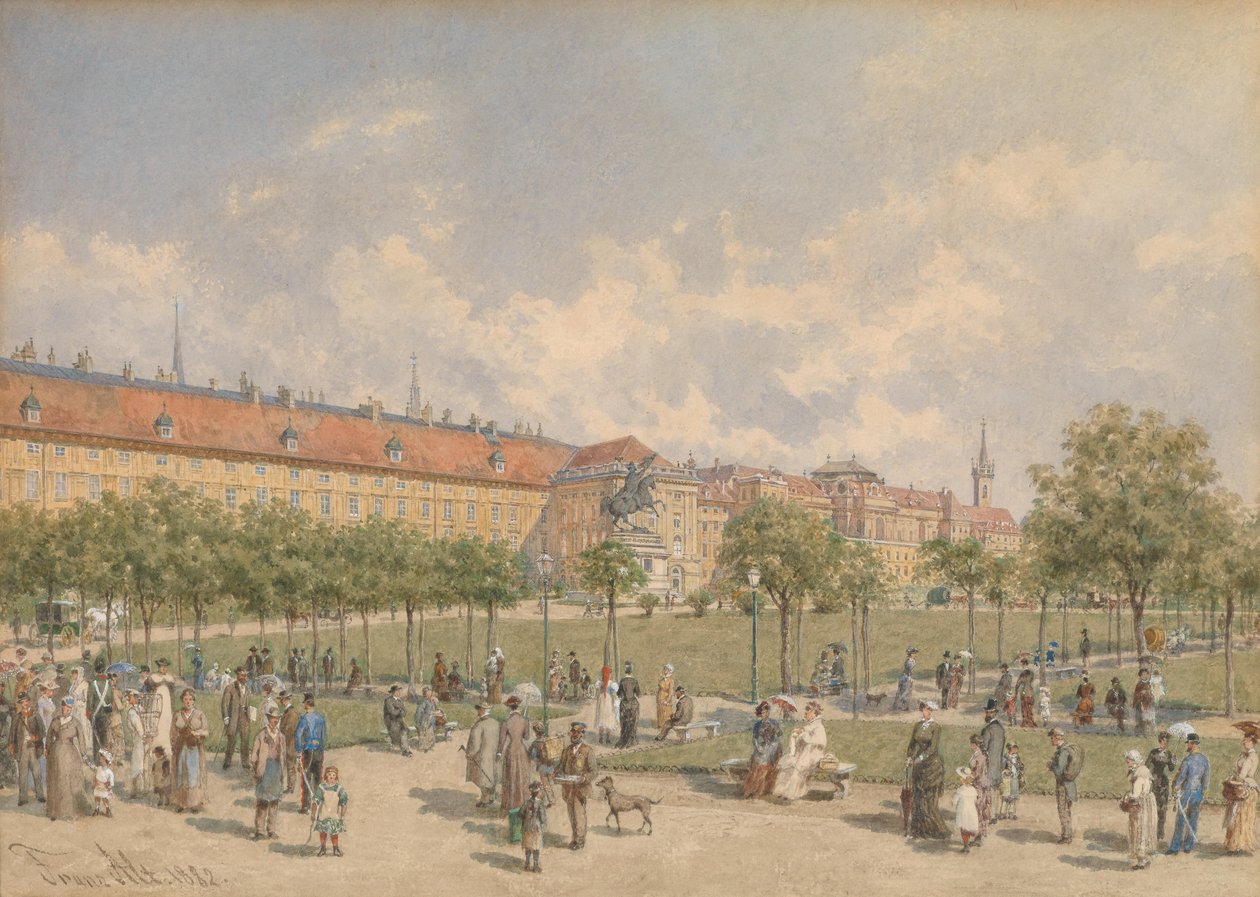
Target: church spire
(982,470)
(177,364)
(984,450)
(413,396)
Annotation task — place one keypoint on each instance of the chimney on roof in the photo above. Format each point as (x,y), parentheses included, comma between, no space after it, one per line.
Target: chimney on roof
(52,356)
(255,394)
(538,429)
(446,415)
(529,430)
(128,374)
(321,397)
(426,414)
(26,352)
(371,410)
(493,427)
(244,384)
(285,395)
(83,364)
(160,376)
(717,463)
(516,427)
(214,384)
(475,422)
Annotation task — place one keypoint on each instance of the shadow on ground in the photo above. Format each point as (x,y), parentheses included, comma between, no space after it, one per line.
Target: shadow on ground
(215,826)
(1095,863)
(506,862)
(888,823)
(1027,835)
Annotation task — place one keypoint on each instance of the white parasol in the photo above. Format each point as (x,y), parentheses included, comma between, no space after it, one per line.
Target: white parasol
(1180,730)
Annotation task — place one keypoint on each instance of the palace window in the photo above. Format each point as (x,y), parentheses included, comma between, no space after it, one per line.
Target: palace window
(400,485)
(124,487)
(295,474)
(424,510)
(677,546)
(94,454)
(402,507)
(291,444)
(32,448)
(678,521)
(472,513)
(59,451)
(260,495)
(512,516)
(32,485)
(513,541)
(325,505)
(324,479)
(229,498)
(354,481)
(378,507)
(379,483)
(447,513)
(94,487)
(354,507)
(195,464)
(295,498)
(494,514)
(260,470)
(160,460)
(229,467)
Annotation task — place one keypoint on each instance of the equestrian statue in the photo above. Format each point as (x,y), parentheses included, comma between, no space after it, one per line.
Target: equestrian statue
(635,495)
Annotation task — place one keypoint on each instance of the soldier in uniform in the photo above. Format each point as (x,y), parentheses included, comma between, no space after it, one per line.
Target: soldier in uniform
(326,665)
(1160,762)
(309,741)
(576,761)
(575,675)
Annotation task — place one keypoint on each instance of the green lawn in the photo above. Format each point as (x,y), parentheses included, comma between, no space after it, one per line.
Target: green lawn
(711,655)
(1194,682)
(879,750)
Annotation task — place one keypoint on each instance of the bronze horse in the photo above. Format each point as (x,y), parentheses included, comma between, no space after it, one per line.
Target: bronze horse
(635,495)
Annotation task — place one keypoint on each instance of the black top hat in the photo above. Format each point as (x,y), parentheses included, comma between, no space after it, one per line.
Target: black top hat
(947,654)
(1115,680)
(1193,737)
(990,706)
(573,654)
(252,648)
(395,687)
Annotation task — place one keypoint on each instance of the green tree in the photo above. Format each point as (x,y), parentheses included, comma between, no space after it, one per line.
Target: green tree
(859,579)
(959,565)
(999,584)
(789,545)
(1126,489)
(19,534)
(610,568)
(700,601)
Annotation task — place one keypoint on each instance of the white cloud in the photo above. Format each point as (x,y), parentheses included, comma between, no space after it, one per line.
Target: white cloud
(399,119)
(328,133)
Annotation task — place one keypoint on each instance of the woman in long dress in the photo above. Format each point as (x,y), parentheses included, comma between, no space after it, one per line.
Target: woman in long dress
(927,776)
(1084,713)
(65,797)
(1240,818)
(806,747)
(978,766)
(189,732)
(514,741)
(763,768)
(163,683)
(135,731)
(606,706)
(1142,818)
(955,685)
(665,695)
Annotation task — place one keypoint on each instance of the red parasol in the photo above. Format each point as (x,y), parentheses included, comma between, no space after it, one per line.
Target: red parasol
(786,703)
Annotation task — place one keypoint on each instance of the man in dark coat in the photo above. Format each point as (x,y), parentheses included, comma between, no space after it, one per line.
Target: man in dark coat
(684,710)
(1143,703)
(1005,685)
(288,725)
(1115,702)
(395,724)
(253,668)
(942,680)
(576,761)
(1160,762)
(993,743)
(1065,766)
(629,691)
(1085,646)
(26,743)
(575,675)
(234,707)
(100,706)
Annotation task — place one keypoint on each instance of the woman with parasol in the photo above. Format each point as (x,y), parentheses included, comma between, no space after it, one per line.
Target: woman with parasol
(763,768)
(927,776)
(1240,792)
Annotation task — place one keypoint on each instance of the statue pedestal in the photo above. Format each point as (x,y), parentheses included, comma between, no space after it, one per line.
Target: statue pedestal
(650,550)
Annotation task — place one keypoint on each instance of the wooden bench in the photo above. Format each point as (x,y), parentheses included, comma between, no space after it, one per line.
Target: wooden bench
(1057,673)
(684,732)
(838,777)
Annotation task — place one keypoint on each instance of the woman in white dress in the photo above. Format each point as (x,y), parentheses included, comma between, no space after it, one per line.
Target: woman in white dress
(1141,803)
(606,706)
(163,683)
(806,747)
(135,732)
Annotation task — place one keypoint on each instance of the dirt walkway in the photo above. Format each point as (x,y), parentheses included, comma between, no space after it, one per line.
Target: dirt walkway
(412,828)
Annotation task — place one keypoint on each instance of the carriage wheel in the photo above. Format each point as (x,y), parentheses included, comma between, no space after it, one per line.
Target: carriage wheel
(68,636)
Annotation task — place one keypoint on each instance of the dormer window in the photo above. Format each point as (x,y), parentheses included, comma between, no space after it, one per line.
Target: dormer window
(164,426)
(289,438)
(497,461)
(394,449)
(30,408)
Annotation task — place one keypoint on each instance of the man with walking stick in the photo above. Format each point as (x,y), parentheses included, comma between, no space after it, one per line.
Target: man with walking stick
(309,742)
(483,743)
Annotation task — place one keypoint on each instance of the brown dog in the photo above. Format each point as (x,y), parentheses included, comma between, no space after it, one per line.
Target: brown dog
(619,803)
(873,700)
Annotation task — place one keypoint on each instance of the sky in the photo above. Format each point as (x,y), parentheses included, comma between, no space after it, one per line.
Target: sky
(765,232)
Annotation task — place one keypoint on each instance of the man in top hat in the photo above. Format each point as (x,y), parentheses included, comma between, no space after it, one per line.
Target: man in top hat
(309,742)
(1115,702)
(1189,788)
(326,664)
(268,759)
(395,724)
(479,759)
(26,744)
(288,726)
(1085,646)
(942,679)
(1005,684)
(993,743)
(1065,766)
(199,670)
(684,710)
(575,674)
(1024,695)
(1161,762)
(575,762)
(234,707)
(253,667)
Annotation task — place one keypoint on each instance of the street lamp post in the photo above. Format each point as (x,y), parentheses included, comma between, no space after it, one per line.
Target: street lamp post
(754,580)
(544,563)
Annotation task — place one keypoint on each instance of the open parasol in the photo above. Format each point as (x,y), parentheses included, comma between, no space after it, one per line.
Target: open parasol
(275,681)
(1180,730)
(1247,727)
(786,703)
(121,667)
(528,692)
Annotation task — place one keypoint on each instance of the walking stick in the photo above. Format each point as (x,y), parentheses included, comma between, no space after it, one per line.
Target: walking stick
(314,819)
(1181,811)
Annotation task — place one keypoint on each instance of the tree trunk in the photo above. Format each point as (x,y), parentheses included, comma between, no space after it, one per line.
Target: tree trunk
(127,632)
(785,632)
(1041,641)
(1229,656)
(800,638)
(1137,604)
(262,631)
(616,633)
(341,644)
(420,638)
(1001,614)
(147,619)
(866,645)
(609,652)
(196,622)
(1212,643)
(109,625)
(179,636)
(853,626)
(1119,641)
(317,663)
(288,633)
(490,621)
(82,619)
(411,650)
(1063,638)
(367,648)
(1108,625)
(971,640)
(468,661)
(51,626)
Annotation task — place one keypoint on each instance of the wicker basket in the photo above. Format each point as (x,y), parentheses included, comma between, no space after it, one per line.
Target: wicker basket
(552,749)
(829,762)
(1234,790)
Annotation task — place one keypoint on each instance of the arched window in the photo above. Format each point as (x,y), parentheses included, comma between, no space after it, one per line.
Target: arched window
(676,579)
(677,546)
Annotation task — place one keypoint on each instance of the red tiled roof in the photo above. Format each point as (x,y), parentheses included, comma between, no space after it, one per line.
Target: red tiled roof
(102,406)
(913,498)
(624,448)
(985,517)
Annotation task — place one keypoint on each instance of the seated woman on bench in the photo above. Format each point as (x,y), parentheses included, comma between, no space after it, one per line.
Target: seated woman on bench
(806,747)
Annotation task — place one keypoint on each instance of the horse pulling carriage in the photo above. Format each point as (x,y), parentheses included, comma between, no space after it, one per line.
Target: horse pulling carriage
(59,618)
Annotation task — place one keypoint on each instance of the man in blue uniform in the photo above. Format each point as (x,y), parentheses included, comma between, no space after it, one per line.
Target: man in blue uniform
(1189,788)
(309,741)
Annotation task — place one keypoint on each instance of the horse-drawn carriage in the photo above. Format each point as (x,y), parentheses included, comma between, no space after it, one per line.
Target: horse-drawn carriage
(61,618)
(1166,641)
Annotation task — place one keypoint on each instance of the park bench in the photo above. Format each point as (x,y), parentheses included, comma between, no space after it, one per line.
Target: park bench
(444,733)
(838,776)
(1058,673)
(684,732)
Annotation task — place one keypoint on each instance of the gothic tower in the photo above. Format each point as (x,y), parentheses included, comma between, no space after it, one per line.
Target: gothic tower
(413,396)
(982,475)
(177,364)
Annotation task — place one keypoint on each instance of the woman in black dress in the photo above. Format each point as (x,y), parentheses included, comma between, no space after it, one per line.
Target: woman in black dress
(927,776)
